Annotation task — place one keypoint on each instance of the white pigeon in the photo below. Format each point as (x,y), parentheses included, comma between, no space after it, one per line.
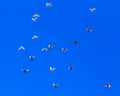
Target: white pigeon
(108,85)
(21,48)
(92,9)
(52,69)
(55,85)
(35,37)
(64,49)
(35,17)
(48,4)
(44,49)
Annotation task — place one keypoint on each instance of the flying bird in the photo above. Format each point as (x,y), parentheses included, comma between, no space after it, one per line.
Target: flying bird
(108,85)
(52,69)
(89,30)
(92,9)
(48,4)
(55,85)
(64,49)
(31,57)
(25,70)
(70,68)
(21,48)
(75,42)
(35,17)
(44,49)
(35,37)
(50,46)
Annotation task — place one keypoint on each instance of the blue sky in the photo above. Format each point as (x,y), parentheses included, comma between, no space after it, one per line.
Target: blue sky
(95,59)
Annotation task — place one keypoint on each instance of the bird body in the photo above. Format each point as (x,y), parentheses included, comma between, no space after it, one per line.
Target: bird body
(50,46)
(108,85)
(55,85)
(25,70)
(44,49)
(35,17)
(89,30)
(35,37)
(48,4)
(75,42)
(21,48)
(31,57)
(70,68)
(52,69)
(64,49)
(92,9)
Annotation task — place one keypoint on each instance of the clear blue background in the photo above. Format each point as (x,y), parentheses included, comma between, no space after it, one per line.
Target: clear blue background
(95,59)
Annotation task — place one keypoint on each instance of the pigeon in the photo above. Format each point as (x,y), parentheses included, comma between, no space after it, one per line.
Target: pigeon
(50,46)
(21,48)
(108,85)
(52,69)
(64,49)
(31,57)
(35,37)
(70,68)
(44,49)
(89,30)
(35,17)
(75,42)
(92,9)
(25,70)
(48,4)
(55,85)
